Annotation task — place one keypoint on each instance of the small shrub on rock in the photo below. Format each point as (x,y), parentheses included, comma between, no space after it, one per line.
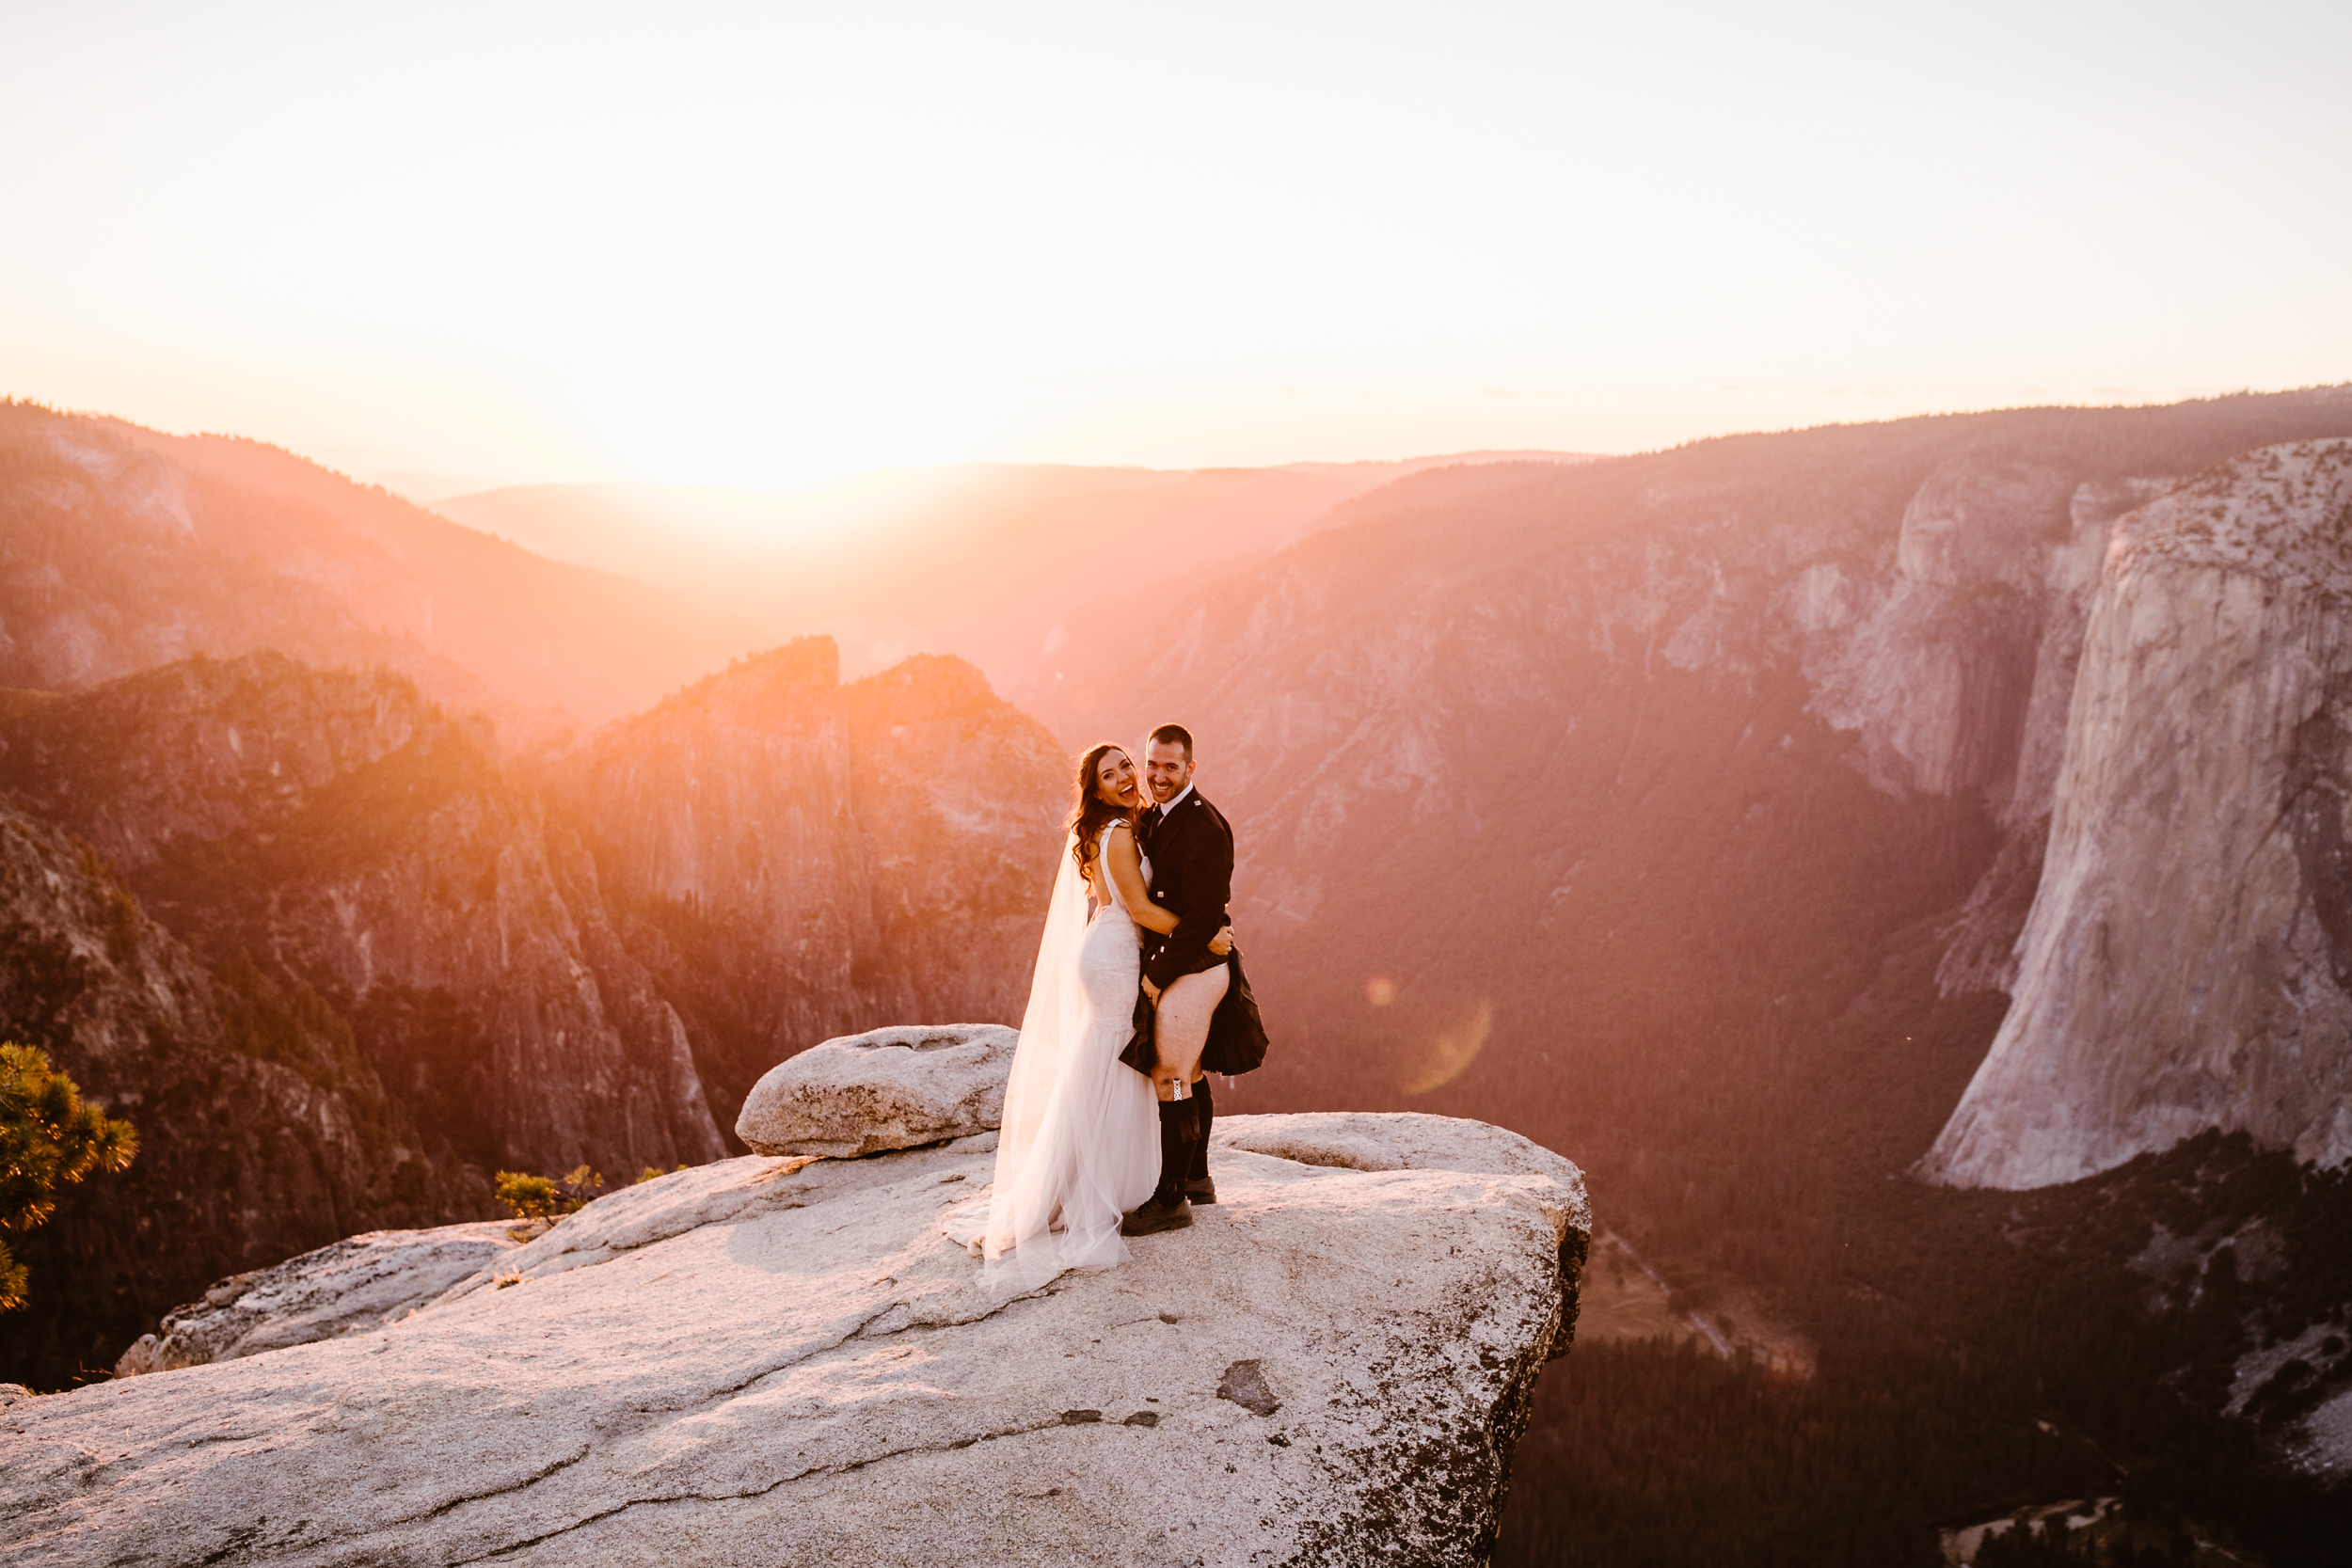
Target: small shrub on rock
(544,1198)
(48,1139)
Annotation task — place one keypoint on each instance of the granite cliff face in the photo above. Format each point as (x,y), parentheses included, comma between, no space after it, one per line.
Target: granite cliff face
(798,859)
(342,832)
(300,928)
(2188,960)
(263,1130)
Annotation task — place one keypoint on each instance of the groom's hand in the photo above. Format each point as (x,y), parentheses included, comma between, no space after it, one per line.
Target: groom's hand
(1152,991)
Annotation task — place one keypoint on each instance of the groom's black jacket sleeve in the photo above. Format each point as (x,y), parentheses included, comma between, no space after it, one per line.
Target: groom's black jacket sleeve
(1192,878)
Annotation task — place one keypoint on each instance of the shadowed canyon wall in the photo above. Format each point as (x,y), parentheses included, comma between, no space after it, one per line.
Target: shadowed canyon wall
(264,1131)
(338,831)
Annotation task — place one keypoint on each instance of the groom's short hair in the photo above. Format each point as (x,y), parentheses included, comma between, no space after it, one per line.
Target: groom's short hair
(1173,735)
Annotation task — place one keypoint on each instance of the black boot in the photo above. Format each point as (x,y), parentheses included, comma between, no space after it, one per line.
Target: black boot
(1167,1209)
(1197,1187)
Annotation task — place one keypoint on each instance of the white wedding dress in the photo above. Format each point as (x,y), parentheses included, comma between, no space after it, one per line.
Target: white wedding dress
(1079,1145)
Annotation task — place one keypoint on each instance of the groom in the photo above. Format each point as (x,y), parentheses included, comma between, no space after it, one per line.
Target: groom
(1191,851)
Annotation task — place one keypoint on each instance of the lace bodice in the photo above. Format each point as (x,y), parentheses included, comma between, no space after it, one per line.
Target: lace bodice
(1104,891)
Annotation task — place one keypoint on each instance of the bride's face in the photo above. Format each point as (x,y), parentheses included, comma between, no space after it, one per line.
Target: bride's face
(1115,780)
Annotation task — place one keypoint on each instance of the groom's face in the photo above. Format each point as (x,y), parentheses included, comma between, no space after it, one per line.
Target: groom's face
(1166,770)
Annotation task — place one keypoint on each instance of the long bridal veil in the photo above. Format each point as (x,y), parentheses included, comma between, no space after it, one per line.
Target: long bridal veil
(1078,1145)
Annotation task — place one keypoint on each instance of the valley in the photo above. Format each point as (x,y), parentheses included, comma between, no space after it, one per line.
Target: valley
(1837,842)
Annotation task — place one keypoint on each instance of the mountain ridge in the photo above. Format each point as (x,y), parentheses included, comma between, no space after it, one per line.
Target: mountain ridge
(123,548)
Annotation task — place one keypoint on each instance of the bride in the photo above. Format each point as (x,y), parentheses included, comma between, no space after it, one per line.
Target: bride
(1079,1144)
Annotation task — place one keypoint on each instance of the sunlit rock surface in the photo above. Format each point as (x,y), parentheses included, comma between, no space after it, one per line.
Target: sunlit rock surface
(887,1088)
(2189,957)
(1933,677)
(358,1283)
(785,1361)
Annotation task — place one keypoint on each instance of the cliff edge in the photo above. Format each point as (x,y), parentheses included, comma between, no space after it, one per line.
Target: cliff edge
(774,1360)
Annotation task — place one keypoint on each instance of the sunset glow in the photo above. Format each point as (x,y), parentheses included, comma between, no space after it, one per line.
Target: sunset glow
(771,249)
(1740,949)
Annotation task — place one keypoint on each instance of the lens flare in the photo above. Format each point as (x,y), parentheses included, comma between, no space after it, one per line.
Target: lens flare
(1453,1051)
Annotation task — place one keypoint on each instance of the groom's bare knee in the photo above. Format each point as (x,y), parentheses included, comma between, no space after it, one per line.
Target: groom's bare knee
(1185,1009)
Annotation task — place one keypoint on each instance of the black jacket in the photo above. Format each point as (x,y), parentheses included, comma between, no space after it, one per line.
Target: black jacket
(1192,878)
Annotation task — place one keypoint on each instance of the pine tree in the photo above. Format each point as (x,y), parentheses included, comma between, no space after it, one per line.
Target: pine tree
(48,1139)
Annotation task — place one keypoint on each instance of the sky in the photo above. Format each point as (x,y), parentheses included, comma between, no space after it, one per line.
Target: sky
(774,246)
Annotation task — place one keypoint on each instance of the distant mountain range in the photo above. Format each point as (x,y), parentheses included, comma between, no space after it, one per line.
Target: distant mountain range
(125,549)
(1000,564)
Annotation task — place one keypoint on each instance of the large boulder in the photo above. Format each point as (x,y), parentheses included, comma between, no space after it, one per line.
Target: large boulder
(769,1361)
(887,1088)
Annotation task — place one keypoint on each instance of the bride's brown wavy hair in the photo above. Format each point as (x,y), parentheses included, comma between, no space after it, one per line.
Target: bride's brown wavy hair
(1089,810)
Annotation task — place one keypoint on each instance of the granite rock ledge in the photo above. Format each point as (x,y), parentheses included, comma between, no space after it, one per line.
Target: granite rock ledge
(771,1360)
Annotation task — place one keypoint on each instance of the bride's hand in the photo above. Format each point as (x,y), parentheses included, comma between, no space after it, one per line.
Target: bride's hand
(1222,942)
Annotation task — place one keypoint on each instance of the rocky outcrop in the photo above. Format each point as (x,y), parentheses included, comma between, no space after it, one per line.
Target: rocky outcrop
(887,1088)
(339,832)
(204,748)
(359,1283)
(2187,963)
(1934,679)
(798,860)
(786,1360)
(961,797)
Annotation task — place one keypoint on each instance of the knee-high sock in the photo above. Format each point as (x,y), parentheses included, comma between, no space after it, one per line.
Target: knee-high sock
(1176,1132)
(1199,1170)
